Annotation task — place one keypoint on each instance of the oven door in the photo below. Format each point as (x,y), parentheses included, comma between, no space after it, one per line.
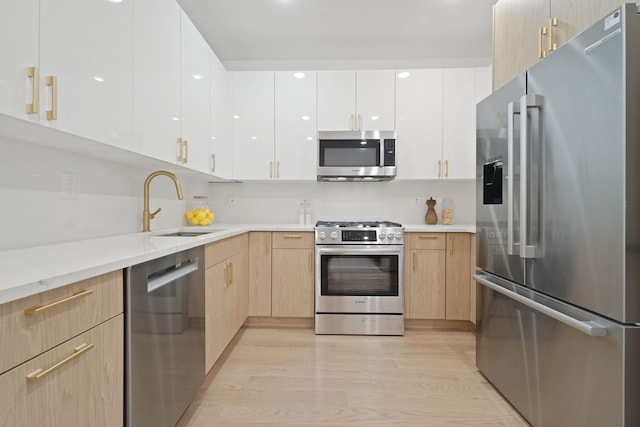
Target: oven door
(359,279)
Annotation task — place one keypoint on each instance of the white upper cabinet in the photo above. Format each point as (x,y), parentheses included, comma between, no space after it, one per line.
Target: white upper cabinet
(156,78)
(295,126)
(193,151)
(419,123)
(362,100)
(253,125)
(86,68)
(19,51)
(459,124)
(375,99)
(436,121)
(221,143)
(336,100)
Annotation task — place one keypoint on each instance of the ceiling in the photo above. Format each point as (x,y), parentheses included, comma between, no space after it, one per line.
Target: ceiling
(321,34)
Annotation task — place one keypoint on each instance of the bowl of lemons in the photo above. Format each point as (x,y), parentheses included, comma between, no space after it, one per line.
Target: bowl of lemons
(200,216)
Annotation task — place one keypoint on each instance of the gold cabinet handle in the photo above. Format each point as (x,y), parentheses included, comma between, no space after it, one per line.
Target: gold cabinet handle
(271,169)
(179,141)
(310,262)
(446,168)
(32,72)
(231,273)
(267,244)
(451,245)
(186,150)
(439,168)
(40,308)
(226,275)
(293,236)
(542,31)
(52,114)
(553,22)
(424,236)
(278,169)
(213,162)
(413,261)
(40,373)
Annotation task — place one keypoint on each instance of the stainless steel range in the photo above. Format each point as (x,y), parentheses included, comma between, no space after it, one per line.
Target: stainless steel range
(359,278)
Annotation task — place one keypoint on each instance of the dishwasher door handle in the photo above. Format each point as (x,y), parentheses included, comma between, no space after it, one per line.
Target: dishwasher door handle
(172,276)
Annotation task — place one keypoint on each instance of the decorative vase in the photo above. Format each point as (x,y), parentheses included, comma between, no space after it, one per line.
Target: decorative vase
(431,217)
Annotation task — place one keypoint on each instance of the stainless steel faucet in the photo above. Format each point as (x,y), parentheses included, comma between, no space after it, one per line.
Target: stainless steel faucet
(146,215)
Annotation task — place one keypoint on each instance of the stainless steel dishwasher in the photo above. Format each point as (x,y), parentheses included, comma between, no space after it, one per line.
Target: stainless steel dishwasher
(164,362)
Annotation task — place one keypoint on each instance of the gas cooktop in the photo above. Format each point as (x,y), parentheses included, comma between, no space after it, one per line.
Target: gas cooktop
(358,224)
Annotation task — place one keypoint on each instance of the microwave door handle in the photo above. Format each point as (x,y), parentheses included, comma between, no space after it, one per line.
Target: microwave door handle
(512,247)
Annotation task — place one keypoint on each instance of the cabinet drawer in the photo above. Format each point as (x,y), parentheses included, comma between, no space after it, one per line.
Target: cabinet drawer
(34,324)
(219,251)
(428,240)
(293,240)
(85,389)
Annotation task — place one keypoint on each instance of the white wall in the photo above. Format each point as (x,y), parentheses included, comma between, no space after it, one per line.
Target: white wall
(109,197)
(278,202)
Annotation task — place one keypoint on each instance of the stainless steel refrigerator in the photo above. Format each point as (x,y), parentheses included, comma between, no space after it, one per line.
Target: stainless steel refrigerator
(558,231)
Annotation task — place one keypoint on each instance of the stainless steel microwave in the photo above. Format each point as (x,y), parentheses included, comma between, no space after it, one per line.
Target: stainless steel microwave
(356,155)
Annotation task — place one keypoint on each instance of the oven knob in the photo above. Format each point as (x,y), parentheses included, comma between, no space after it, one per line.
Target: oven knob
(382,236)
(398,236)
(390,236)
(322,235)
(334,235)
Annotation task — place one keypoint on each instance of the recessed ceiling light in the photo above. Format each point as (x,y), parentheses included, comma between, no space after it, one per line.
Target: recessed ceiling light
(115,1)
(175,119)
(98,79)
(374,117)
(299,75)
(196,76)
(236,117)
(254,137)
(309,138)
(213,137)
(404,74)
(305,117)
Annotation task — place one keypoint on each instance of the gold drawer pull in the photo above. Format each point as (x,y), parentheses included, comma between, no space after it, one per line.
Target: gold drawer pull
(413,264)
(40,308)
(422,236)
(293,236)
(230,273)
(38,374)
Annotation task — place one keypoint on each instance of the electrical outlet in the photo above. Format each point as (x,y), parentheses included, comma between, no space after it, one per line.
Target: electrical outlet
(69,185)
(231,201)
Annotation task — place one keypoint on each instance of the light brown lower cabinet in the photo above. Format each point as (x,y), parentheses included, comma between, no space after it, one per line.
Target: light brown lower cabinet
(226,294)
(77,383)
(292,275)
(260,273)
(437,276)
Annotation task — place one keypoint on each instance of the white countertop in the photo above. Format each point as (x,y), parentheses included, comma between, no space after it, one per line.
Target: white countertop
(29,271)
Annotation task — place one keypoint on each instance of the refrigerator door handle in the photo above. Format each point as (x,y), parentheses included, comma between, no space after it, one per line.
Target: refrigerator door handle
(512,110)
(528,250)
(588,327)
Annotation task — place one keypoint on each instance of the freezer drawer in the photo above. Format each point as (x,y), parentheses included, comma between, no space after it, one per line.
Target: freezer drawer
(551,372)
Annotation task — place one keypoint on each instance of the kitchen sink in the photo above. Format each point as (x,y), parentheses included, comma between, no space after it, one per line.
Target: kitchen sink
(188,233)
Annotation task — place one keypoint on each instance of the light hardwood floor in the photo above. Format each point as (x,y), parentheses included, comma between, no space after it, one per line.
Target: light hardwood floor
(289,376)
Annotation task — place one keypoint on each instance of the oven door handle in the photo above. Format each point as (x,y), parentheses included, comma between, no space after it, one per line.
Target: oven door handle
(361,250)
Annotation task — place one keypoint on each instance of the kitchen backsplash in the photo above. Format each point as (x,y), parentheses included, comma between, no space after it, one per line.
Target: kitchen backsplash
(109,198)
(399,201)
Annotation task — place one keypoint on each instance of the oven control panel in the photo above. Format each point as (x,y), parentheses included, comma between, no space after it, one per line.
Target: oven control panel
(377,236)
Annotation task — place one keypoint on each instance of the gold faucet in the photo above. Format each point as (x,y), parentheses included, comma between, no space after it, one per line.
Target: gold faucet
(146,215)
